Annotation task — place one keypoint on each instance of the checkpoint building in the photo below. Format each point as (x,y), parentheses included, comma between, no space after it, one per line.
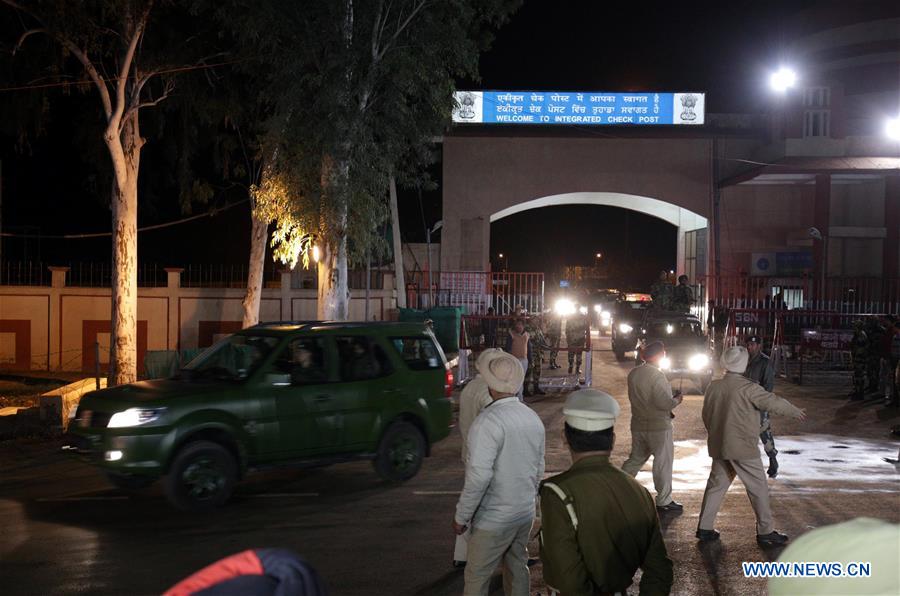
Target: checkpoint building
(802,199)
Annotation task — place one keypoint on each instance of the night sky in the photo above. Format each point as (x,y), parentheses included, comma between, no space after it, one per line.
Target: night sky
(722,48)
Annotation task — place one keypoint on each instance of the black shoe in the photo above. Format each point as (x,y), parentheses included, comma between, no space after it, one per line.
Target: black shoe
(773,467)
(707,535)
(570,369)
(671,506)
(459,564)
(771,539)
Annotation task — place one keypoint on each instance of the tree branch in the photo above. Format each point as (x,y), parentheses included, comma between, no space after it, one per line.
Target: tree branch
(134,107)
(402,24)
(73,48)
(25,36)
(115,121)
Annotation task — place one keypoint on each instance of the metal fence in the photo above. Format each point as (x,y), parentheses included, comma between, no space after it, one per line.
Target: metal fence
(836,294)
(24,273)
(477,291)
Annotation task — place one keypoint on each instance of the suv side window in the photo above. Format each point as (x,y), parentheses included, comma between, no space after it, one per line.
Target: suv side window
(361,359)
(303,361)
(419,353)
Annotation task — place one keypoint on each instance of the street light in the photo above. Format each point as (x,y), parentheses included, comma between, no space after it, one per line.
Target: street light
(892,128)
(783,79)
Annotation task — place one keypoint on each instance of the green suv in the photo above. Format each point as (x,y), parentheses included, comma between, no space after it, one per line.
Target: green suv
(277,394)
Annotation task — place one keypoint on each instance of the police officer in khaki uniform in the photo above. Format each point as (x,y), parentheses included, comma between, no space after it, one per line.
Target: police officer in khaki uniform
(731,410)
(598,525)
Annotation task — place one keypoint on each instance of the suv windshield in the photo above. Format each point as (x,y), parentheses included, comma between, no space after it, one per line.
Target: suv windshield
(233,359)
(675,329)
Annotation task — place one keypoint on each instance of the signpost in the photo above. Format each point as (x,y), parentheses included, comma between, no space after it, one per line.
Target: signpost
(579,107)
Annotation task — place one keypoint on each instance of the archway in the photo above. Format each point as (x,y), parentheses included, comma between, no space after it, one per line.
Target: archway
(691,246)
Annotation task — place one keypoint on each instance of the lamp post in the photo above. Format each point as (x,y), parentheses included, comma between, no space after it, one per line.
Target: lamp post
(428,233)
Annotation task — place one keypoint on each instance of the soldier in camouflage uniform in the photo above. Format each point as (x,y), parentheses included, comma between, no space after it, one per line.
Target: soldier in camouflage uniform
(760,370)
(859,350)
(873,355)
(576,330)
(534,327)
(683,296)
(554,333)
(663,293)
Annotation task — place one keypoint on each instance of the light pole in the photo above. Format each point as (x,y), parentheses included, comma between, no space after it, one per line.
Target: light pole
(502,261)
(428,233)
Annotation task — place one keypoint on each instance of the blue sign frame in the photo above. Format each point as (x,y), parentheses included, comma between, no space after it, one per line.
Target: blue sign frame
(592,108)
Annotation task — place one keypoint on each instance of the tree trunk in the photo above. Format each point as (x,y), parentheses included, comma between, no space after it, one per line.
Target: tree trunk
(125,151)
(399,277)
(258,237)
(333,302)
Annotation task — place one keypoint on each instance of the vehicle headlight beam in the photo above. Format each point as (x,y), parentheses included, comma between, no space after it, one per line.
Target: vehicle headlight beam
(134,417)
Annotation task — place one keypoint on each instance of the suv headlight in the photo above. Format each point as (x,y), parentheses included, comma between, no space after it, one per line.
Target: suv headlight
(134,417)
(698,362)
(605,315)
(625,328)
(583,310)
(564,307)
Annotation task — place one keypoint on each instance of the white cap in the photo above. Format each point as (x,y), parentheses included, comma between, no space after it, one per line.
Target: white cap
(501,371)
(859,540)
(590,410)
(735,359)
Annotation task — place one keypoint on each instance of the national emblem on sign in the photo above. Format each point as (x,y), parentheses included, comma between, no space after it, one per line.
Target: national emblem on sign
(467,106)
(688,102)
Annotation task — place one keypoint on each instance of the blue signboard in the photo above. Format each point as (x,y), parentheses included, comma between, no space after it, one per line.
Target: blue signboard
(595,108)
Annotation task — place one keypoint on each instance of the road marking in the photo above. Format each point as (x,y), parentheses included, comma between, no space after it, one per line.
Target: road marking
(428,493)
(277,495)
(67,499)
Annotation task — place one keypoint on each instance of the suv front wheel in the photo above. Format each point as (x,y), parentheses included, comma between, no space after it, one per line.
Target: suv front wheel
(400,452)
(201,477)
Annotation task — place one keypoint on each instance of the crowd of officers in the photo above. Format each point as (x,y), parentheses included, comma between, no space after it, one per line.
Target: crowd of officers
(531,336)
(598,524)
(875,356)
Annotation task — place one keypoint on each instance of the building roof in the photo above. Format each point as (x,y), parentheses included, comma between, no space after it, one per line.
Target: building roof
(803,170)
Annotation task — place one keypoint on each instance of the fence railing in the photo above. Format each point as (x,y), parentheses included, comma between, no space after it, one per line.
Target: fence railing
(24,273)
(153,275)
(837,294)
(477,291)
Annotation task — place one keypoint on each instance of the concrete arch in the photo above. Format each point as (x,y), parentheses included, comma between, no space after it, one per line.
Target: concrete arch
(679,217)
(683,219)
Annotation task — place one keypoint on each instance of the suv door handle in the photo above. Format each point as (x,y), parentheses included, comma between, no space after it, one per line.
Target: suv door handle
(323,397)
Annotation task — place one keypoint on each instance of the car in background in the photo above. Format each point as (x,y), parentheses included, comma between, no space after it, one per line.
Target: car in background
(603,302)
(273,395)
(688,355)
(625,323)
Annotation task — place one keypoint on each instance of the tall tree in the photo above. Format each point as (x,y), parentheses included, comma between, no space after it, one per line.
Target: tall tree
(367,86)
(105,45)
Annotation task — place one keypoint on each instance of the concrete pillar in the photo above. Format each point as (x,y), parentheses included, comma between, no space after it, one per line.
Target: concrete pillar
(173,287)
(679,260)
(58,276)
(57,286)
(821,220)
(891,259)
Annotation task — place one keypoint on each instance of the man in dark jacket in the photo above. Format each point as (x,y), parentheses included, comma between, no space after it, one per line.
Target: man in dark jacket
(760,371)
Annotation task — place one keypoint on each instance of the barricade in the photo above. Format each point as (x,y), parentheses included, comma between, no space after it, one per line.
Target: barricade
(479,332)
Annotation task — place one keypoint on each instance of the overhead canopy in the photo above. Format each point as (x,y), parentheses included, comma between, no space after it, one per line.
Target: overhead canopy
(803,170)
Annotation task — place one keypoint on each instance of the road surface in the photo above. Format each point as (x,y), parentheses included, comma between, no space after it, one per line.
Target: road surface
(64,531)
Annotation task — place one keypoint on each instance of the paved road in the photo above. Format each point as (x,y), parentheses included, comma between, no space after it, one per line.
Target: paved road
(63,531)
